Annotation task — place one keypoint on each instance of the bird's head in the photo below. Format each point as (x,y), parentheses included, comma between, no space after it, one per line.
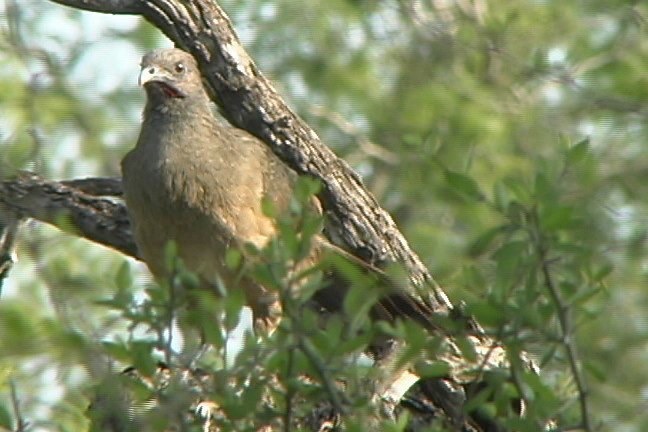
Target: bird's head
(169,74)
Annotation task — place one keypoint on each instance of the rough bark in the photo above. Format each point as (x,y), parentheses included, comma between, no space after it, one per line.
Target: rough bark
(77,206)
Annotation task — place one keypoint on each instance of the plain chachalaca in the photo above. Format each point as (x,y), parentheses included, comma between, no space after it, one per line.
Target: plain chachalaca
(199,182)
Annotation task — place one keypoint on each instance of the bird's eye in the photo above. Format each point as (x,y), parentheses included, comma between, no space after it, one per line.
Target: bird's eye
(179,67)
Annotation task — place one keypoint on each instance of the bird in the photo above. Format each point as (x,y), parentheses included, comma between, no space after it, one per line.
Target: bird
(199,182)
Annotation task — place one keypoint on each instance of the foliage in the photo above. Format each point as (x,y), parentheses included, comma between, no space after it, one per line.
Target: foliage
(506,138)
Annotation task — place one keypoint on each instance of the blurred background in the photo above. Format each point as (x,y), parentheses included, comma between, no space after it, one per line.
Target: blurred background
(466,119)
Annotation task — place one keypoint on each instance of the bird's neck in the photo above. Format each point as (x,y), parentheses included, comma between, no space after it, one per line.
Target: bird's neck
(176,109)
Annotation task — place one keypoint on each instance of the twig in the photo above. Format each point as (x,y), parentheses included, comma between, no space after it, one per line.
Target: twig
(337,399)
(568,342)
(366,145)
(21,425)
(290,392)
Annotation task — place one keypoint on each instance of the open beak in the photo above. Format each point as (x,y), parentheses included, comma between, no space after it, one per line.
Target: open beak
(153,74)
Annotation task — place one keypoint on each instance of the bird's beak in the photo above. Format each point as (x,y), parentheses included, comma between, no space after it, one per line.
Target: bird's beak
(166,81)
(151,73)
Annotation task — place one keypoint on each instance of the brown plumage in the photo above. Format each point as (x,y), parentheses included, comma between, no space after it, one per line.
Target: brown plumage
(199,182)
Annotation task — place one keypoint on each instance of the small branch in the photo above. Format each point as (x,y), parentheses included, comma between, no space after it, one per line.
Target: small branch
(21,424)
(366,145)
(567,338)
(289,309)
(290,391)
(337,399)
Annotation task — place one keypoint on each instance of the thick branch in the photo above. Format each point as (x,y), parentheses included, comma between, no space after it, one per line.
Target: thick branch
(72,206)
(126,7)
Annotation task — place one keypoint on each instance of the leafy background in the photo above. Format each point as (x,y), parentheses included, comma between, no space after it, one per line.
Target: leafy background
(501,135)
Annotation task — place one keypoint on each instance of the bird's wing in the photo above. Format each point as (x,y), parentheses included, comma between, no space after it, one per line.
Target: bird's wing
(393,302)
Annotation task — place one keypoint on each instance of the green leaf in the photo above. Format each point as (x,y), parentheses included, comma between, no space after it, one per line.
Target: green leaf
(602,272)
(578,152)
(117,350)
(434,369)
(141,352)
(268,208)
(357,303)
(124,278)
(6,421)
(171,255)
(598,371)
(556,217)
(508,258)
(488,314)
(501,196)
(484,241)
(519,190)
(233,258)
(543,188)
(464,184)
(467,348)
(234,302)
(305,188)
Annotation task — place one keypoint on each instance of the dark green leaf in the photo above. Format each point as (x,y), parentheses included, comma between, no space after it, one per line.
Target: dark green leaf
(6,420)
(464,184)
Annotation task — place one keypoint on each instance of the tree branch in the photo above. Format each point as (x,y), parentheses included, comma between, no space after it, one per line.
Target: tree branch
(117,7)
(74,206)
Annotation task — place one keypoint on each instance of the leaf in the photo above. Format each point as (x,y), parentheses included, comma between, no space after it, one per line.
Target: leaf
(578,152)
(233,258)
(519,190)
(171,255)
(357,303)
(233,302)
(598,371)
(268,208)
(602,272)
(467,348)
(434,369)
(488,314)
(141,352)
(6,421)
(556,217)
(306,187)
(464,184)
(508,257)
(117,350)
(124,277)
(544,189)
(483,242)
(501,196)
